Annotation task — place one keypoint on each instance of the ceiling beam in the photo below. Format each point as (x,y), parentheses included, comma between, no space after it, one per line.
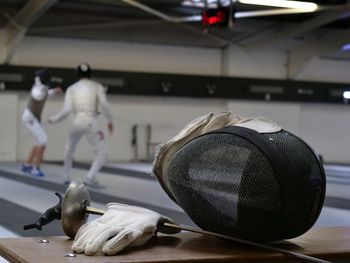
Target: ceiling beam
(289,32)
(94,26)
(18,25)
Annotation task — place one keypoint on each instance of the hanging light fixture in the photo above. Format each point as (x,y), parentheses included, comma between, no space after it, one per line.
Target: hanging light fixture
(299,5)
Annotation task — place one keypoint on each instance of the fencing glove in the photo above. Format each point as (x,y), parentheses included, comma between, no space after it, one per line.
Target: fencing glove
(120,226)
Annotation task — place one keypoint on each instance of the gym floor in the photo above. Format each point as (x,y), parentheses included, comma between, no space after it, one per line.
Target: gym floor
(24,198)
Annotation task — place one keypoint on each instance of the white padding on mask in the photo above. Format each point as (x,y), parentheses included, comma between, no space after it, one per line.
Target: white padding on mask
(260,124)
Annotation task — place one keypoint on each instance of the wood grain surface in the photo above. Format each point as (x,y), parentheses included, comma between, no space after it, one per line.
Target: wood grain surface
(326,243)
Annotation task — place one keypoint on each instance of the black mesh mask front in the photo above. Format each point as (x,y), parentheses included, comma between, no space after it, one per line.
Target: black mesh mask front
(238,182)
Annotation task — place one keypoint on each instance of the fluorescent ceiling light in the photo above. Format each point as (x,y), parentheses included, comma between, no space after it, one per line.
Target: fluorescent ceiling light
(271,12)
(305,6)
(203,3)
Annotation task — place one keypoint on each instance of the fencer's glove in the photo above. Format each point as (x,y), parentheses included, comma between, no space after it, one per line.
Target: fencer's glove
(50,120)
(120,226)
(110,128)
(58,90)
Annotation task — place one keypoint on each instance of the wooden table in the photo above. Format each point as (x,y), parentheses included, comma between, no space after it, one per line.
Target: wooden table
(331,244)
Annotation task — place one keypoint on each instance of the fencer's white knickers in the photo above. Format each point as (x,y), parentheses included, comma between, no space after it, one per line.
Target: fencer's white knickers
(34,127)
(85,125)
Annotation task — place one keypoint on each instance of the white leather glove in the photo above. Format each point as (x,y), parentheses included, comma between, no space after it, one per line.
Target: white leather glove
(120,226)
(51,120)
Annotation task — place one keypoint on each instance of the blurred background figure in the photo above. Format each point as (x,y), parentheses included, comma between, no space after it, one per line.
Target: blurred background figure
(32,120)
(84,98)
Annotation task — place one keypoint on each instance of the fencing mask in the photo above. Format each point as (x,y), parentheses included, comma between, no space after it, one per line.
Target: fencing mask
(243,177)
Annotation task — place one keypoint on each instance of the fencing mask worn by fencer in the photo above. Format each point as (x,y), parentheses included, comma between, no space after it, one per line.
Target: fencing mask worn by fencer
(43,75)
(83,71)
(246,178)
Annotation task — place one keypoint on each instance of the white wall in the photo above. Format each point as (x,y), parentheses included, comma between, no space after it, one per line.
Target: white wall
(324,126)
(327,127)
(271,64)
(326,70)
(8,127)
(285,114)
(263,63)
(118,56)
(165,115)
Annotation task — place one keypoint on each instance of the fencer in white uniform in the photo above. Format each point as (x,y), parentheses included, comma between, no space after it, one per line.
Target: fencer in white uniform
(84,99)
(31,118)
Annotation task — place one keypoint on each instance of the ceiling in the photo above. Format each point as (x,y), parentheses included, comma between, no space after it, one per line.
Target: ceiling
(159,22)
